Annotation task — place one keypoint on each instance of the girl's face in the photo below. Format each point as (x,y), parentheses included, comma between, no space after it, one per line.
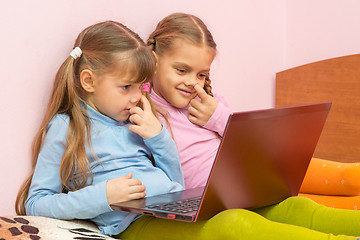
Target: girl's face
(114,95)
(178,71)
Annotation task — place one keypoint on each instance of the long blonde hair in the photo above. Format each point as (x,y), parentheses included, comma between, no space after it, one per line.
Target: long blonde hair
(185,27)
(101,45)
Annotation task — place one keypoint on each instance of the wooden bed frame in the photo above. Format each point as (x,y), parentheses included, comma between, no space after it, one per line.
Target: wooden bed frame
(336,80)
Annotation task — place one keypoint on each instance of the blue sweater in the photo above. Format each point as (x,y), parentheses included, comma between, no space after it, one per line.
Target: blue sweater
(120,151)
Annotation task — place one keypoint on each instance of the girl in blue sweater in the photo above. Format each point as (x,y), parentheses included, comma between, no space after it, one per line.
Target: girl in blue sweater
(96,146)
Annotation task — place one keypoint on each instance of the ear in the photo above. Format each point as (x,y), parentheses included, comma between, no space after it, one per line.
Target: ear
(87,80)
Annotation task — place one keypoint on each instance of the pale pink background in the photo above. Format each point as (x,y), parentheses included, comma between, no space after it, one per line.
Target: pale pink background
(255,40)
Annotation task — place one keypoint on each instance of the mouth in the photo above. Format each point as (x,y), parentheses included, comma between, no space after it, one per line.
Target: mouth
(185,93)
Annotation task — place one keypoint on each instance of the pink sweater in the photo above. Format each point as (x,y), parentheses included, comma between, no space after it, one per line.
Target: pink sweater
(197,146)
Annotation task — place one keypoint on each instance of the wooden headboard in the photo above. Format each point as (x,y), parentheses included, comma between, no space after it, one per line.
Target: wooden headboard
(336,80)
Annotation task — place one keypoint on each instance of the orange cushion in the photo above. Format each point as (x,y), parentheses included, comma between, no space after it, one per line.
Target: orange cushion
(343,202)
(332,178)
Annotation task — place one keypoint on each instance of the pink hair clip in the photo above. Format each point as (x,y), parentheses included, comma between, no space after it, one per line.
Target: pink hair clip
(146,87)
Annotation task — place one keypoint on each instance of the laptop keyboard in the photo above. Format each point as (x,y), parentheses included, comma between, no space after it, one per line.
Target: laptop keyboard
(182,206)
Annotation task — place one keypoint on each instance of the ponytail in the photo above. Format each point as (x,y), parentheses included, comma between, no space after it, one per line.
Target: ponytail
(207,86)
(64,99)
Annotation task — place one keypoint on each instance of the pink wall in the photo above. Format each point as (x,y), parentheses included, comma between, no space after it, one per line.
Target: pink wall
(255,40)
(321,29)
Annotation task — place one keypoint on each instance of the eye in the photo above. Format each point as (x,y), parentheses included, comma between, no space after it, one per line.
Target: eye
(180,70)
(203,76)
(126,87)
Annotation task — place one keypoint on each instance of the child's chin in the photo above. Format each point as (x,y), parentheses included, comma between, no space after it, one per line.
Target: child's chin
(122,118)
(182,104)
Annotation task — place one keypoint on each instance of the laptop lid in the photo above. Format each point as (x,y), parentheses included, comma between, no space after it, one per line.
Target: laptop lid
(262,159)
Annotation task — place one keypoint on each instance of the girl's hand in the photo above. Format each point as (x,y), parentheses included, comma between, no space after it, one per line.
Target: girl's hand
(123,189)
(201,110)
(144,121)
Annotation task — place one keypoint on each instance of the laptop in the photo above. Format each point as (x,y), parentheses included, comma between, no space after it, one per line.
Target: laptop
(262,159)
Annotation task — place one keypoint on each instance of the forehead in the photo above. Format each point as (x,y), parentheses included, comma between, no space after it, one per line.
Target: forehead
(121,74)
(126,69)
(191,54)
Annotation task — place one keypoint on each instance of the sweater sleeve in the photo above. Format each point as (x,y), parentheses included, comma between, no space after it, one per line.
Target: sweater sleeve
(166,157)
(218,120)
(45,197)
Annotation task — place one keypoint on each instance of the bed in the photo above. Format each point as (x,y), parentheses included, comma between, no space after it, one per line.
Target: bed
(37,228)
(333,177)
(336,80)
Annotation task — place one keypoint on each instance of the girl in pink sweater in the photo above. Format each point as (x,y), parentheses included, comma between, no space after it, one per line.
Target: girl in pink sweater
(184,51)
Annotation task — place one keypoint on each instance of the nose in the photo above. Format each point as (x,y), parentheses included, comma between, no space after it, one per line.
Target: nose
(136,95)
(191,80)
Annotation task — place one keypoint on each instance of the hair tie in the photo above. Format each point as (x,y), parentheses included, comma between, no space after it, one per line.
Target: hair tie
(146,87)
(76,52)
(151,43)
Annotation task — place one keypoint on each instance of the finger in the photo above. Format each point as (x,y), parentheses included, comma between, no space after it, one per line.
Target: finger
(193,119)
(195,103)
(137,195)
(193,111)
(137,189)
(200,92)
(135,119)
(136,110)
(196,107)
(134,182)
(127,176)
(135,129)
(146,104)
